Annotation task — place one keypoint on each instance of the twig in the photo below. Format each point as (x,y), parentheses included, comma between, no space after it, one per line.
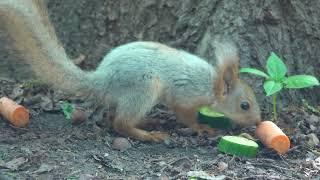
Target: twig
(169,164)
(260,176)
(272,166)
(19,128)
(294,148)
(284,160)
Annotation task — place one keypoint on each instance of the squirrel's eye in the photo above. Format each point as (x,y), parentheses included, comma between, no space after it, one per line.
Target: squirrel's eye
(244,105)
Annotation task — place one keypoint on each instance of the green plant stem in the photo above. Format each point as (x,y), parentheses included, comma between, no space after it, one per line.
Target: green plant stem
(274,97)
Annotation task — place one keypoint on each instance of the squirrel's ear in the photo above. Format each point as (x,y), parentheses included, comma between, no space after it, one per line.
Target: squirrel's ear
(227,70)
(227,76)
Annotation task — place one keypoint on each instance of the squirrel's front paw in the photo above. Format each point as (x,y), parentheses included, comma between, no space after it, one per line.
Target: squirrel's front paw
(205,129)
(157,136)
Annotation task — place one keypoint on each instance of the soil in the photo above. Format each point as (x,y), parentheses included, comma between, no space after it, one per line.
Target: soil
(51,147)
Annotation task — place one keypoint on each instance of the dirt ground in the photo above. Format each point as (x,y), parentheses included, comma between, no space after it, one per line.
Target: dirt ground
(53,148)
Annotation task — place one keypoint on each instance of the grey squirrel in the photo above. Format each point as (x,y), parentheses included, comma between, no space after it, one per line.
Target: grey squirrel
(136,76)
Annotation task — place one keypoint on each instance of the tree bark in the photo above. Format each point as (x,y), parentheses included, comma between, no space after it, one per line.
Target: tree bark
(290,28)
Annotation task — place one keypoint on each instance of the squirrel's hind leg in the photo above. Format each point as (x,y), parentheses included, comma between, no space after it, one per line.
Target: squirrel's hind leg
(128,120)
(131,110)
(125,126)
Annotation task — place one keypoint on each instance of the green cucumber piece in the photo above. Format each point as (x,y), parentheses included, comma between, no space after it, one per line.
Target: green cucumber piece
(238,146)
(214,119)
(210,112)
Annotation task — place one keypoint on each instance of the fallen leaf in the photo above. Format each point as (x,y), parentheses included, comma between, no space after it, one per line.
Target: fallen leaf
(46,103)
(44,168)
(17,92)
(87,177)
(15,163)
(313,140)
(108,163)
(204,175)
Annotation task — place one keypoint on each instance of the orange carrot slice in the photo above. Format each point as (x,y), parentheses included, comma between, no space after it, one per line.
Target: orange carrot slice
(273,137)
(13,112)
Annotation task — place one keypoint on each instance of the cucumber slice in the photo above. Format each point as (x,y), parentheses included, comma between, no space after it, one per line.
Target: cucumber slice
(239,146)
(208,111)
(214,119)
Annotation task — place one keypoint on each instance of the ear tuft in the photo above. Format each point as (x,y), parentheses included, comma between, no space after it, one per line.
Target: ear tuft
(226,52)
(227,67)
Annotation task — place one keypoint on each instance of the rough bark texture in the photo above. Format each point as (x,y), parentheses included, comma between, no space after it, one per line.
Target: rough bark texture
(290,28)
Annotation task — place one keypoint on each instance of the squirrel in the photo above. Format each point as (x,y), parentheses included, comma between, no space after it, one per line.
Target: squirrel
(136,76)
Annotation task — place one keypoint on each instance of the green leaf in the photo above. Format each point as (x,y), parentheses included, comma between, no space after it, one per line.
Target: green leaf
(254,71)
(301,81)
(272,87)
(276,68)
(67,109)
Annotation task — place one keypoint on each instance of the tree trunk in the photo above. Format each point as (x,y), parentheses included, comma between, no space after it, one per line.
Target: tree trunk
(290,28)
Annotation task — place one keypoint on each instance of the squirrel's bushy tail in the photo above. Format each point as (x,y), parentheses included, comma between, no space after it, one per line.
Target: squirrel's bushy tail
(31,32)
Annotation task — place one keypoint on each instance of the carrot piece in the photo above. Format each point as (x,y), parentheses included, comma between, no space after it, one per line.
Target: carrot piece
(273,137)
(13,112)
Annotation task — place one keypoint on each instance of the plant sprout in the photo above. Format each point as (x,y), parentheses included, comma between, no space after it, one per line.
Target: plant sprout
(67,110)
(276,79)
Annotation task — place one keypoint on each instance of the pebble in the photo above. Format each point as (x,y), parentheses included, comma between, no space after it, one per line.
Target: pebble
(78,116)
(222,166)
(121,144)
